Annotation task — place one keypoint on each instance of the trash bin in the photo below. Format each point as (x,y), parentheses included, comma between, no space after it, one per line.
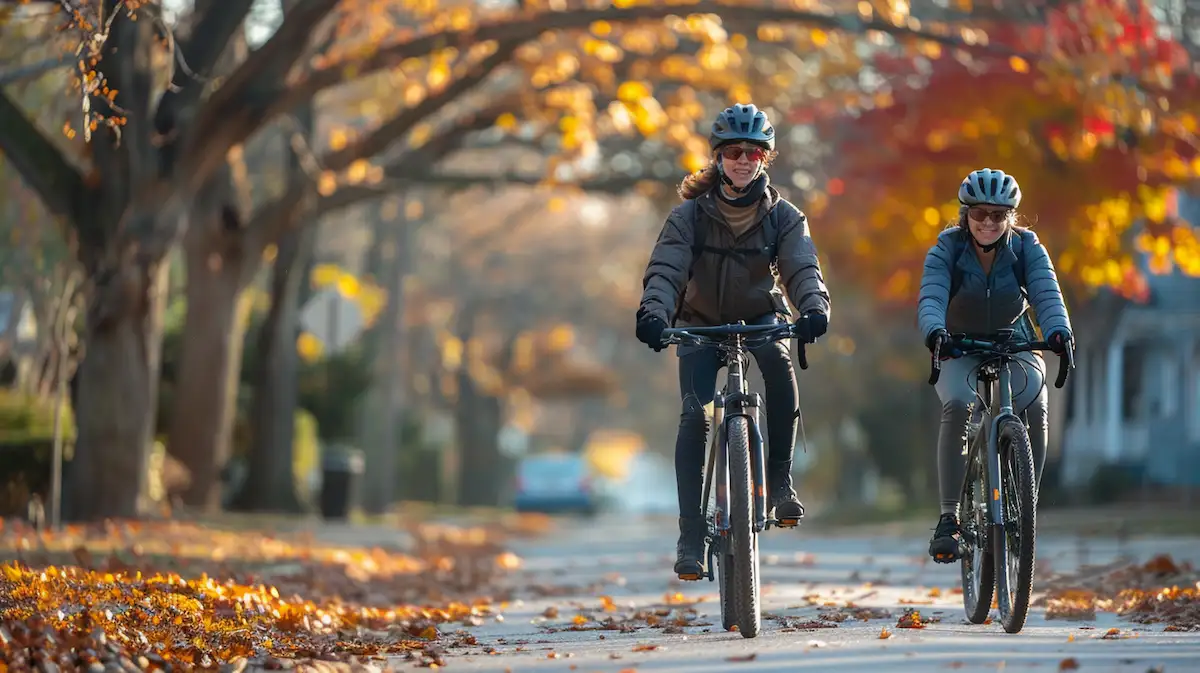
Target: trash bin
(341,477)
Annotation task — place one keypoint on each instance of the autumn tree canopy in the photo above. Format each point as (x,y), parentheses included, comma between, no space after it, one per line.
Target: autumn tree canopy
(1091,104)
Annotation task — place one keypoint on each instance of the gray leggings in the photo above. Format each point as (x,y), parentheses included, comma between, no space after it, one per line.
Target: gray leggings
(957,394)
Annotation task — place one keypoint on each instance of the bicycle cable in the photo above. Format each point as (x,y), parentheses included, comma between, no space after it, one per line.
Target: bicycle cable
(973,380)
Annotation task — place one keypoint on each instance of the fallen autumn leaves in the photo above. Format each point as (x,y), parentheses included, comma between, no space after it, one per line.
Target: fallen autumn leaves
(176,596)
(1159,591)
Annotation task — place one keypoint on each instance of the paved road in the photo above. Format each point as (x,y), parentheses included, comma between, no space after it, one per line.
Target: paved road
(805,576)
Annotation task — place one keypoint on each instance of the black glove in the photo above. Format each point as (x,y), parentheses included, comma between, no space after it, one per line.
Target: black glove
(812,326)
(1060,341)
(938,336)
(650,329)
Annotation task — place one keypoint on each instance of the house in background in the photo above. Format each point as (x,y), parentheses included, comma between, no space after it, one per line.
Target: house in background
(1134,401)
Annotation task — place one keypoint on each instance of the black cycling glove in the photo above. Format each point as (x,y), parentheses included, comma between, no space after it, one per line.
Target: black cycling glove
(650,329)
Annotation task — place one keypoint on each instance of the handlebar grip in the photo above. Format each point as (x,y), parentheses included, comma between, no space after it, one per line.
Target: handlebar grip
(1066,362)
(935,367)
(802,356)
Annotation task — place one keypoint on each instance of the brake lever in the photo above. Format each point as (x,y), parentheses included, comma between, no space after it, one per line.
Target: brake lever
(1066,362)
(935,370)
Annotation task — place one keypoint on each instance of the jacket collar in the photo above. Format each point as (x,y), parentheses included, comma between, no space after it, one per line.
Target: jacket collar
(1006,257)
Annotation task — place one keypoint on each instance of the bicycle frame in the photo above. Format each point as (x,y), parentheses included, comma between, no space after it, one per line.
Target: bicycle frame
(730,405)
(1003,349)
(732,401)
(1005,401)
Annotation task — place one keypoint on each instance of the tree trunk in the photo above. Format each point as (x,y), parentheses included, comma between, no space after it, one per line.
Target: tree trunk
(270,484)
(477,419)
(118,381)
(477,424)
(205,400)
(392,262)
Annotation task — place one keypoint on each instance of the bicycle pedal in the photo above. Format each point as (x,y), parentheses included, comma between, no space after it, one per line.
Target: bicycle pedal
(690,577)
(787,523)
(945,558)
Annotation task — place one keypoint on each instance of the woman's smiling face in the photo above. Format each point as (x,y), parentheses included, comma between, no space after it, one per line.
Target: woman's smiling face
(988,223)
(741,162)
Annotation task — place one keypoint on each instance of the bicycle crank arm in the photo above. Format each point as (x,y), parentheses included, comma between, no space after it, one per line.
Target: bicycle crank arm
(711,564)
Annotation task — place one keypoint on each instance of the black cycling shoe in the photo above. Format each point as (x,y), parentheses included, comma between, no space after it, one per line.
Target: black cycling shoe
(788,509)
(946,545)
(689,551)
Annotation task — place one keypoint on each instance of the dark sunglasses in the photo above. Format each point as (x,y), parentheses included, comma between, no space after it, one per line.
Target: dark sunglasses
(735,152)
(983,214)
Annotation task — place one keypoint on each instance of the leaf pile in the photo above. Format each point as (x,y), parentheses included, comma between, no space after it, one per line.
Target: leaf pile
(1159,591)
(141,596)
(673,615)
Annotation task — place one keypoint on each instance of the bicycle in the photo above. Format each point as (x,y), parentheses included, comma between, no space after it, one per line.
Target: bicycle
(737,469)
(1000,531)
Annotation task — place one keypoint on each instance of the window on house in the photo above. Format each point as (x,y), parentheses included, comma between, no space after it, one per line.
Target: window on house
(1133,364)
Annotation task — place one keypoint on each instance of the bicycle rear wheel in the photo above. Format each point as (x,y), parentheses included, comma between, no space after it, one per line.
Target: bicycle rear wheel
(1014,541)
(977,564)
(744,540)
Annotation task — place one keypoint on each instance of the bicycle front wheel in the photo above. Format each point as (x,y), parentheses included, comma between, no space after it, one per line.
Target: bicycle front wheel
(743,537)
(1014,541)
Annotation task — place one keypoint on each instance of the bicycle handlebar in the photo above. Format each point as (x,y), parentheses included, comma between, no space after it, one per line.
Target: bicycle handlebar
(719,335)
(967,346)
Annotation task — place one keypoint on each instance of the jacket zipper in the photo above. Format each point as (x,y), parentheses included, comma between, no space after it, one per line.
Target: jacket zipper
(995,260)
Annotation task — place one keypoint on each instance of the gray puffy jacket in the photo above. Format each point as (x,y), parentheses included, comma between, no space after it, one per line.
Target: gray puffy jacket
(982,302)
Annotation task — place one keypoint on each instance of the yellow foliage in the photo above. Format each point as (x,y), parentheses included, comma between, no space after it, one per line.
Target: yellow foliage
(309,347)
(452,352)
(324,275)
(357,173)
(338,139)
(507,121)
(632,92)
(560,338)
(694,161)
(327,183)
(348,286)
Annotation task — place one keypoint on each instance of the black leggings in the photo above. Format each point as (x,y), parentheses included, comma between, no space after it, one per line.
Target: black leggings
(697,385)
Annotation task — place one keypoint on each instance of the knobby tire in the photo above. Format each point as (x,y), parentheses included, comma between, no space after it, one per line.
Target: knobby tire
(1016,466)
(741,518)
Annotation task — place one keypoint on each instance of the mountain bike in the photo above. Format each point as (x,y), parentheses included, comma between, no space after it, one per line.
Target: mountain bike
(736,470)
(997,532)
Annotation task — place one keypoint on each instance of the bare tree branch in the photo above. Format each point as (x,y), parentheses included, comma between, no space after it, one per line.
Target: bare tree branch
(40,163)
(238,107)
(218,22)
(34,69)
(379,139)
(349,196)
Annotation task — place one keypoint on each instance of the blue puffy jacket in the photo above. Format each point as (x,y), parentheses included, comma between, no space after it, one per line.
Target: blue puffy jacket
(983,303)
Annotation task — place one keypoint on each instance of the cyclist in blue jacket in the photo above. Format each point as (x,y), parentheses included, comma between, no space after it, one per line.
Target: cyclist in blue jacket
(981,276)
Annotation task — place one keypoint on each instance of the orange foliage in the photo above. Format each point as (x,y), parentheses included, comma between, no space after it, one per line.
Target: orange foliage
(195,597)
(1093,159)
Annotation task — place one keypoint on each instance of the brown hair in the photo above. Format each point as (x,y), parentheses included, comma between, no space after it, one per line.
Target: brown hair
(699,183)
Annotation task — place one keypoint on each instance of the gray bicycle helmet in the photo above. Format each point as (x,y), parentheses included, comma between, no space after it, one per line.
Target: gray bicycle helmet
(991,187)
(742,122)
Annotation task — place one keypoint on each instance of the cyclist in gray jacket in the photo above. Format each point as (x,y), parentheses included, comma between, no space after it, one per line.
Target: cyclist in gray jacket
(981,276)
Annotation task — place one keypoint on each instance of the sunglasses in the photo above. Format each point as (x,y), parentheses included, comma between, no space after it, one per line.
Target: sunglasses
(735,152)
(983,214)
